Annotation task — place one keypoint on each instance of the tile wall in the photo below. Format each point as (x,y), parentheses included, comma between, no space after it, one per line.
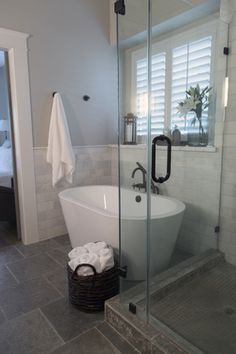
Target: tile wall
(195,179)
(93,166)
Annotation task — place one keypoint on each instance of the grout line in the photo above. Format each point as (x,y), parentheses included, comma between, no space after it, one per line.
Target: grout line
(81,334)
(51,325)
(108,340)
(51,257)
(53,286)
(14,276)
(19,251)
(75,338)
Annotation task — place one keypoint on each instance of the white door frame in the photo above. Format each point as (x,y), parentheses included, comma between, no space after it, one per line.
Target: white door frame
(15,43)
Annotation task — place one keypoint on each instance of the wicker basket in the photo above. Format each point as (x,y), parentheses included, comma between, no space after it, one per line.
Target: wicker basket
(89,293)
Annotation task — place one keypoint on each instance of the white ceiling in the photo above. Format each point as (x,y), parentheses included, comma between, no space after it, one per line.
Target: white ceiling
(1,58)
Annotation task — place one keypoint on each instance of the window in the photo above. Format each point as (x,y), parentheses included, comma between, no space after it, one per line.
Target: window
(177,63)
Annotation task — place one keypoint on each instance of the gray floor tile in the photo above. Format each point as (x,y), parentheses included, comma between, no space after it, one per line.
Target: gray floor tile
(6,278)
(69,321)
(34,267)
(4,345)
(2,318)
(27,296)
(36,248)
(63,240)
(29,334)
(91,342)
(59,255)
(9,254)
(59,281)
(114,337)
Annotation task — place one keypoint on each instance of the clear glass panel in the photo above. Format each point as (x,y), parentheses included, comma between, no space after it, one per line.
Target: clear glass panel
(178,82)
(172,77)
(133,158)
(188,72)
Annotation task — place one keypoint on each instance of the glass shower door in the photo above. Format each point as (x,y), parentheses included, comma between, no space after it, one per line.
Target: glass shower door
(171,78)
(134,158)
(188,70)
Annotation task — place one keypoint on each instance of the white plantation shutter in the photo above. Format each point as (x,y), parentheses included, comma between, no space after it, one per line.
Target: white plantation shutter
(157,94)
(141,95)
(191,65)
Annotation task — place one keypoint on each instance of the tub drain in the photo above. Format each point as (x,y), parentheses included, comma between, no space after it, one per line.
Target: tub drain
(138,199)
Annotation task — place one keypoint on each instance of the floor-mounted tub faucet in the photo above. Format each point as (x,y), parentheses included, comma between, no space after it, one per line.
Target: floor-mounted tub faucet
(143,185)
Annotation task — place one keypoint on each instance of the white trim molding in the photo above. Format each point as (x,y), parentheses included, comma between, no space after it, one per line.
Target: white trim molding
(15,43)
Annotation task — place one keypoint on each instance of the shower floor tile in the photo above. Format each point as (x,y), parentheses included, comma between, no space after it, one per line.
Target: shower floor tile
(203,311)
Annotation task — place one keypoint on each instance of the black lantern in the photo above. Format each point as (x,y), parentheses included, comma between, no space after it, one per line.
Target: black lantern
(130,129)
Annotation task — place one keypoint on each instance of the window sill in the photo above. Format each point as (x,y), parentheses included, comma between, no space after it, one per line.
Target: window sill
(174,148)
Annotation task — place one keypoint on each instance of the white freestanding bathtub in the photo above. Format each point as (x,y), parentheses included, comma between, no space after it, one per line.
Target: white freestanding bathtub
(91,214)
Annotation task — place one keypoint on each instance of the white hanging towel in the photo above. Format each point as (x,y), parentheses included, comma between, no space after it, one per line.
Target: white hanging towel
(60,152)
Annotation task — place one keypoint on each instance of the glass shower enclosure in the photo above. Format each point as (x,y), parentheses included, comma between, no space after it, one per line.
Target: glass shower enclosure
(172,70)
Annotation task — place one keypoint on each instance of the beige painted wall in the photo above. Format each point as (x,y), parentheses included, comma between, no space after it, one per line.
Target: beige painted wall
(69,51)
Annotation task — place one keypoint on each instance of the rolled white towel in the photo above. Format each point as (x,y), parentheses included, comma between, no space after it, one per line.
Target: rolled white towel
(106,257)
(76,252)
(89,258)
(95,247)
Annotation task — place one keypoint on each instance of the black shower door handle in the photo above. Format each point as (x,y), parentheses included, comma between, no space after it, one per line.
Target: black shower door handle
(168,167)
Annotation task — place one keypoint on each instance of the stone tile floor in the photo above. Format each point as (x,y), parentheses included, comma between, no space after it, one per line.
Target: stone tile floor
(35,315)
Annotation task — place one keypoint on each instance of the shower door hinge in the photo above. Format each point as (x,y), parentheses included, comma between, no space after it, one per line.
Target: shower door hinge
(122,271)
(119,7)
(217,229)
(226,51)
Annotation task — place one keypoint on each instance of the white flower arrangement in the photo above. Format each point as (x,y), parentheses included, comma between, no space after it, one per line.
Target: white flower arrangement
(197,100)
(188,105)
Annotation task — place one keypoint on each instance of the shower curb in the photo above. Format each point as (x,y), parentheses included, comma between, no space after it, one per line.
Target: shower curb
(155,337)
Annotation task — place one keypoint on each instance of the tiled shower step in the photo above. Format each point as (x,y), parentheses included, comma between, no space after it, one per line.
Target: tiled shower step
(158,339)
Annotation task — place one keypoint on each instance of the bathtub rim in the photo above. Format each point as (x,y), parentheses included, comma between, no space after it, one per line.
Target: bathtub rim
(180,206)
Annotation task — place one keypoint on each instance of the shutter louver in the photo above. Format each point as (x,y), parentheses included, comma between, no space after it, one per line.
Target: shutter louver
(157,94)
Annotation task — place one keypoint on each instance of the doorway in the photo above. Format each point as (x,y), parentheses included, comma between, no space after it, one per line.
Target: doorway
(9,206)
